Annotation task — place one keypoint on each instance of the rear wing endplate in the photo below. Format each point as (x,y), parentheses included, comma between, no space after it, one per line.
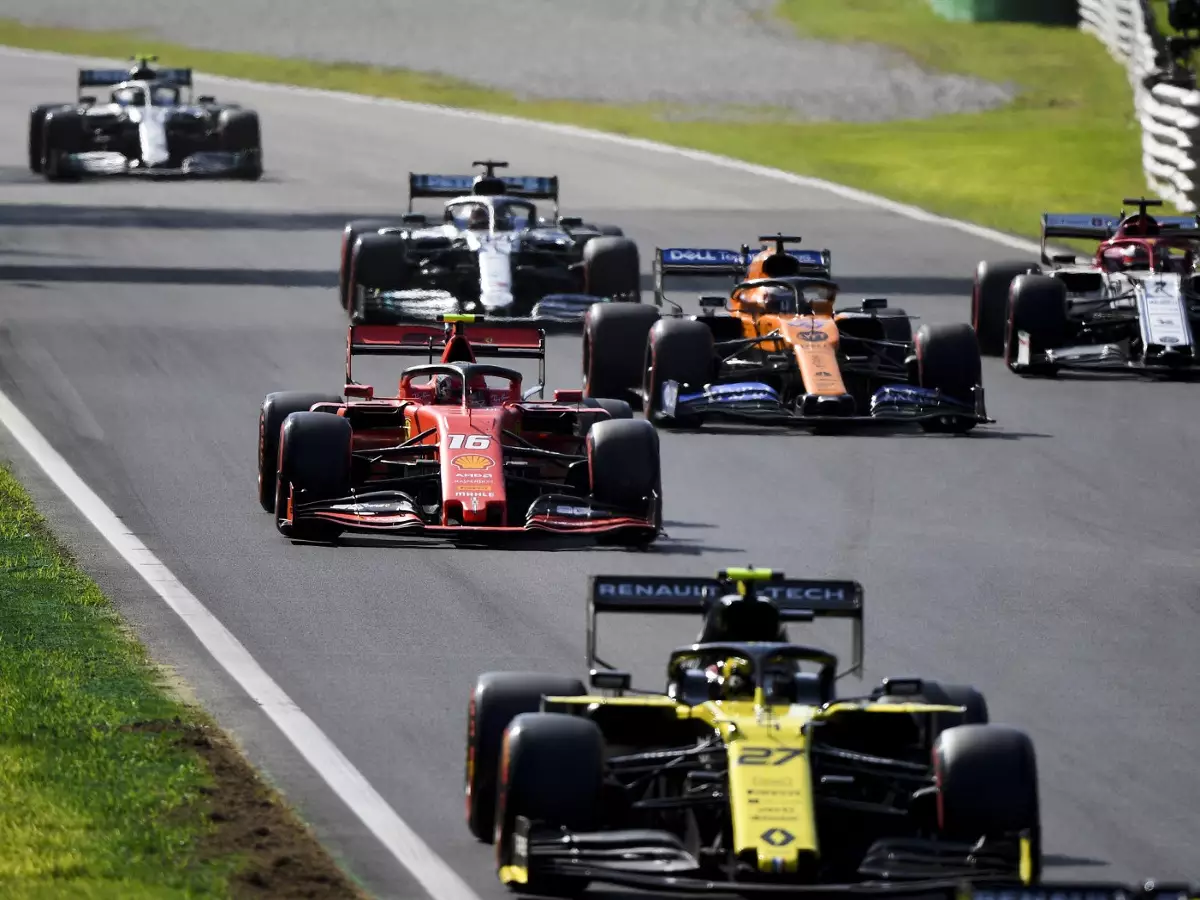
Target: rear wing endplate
(797,599)
(108,77)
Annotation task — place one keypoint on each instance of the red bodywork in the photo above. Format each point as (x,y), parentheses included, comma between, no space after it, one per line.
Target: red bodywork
(465,463)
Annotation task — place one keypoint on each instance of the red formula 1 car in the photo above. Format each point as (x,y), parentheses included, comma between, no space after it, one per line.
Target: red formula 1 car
(460,450)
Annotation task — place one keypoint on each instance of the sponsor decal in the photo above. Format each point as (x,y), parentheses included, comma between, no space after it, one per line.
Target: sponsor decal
(468,441)
(814,337)
(778,593)
(473,461)
(575,511)
(768,756)
(778,837)
(703,257)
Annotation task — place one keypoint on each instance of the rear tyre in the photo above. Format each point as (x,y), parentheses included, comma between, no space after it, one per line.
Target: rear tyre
(612,268)
(275,408)
(350,235)
(1037,305)
(988,786)
(314,457)
(238,131)
(948,361)
(976,708)
(614,348)
(377,262)
(679,350)
(989,302)
(498,698)
(617,409)
(554,766)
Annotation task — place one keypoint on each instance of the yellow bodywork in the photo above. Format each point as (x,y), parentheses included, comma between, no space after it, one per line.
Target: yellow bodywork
(770,775)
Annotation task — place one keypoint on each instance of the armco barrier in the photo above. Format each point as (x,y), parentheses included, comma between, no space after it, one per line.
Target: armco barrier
(1166,101)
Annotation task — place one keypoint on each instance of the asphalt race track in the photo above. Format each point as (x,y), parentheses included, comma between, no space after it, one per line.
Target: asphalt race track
(1049,559)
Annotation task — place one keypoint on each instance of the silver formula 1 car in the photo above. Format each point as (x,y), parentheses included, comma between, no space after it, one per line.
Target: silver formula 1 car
(149,125)
(488,251)
(1135,305)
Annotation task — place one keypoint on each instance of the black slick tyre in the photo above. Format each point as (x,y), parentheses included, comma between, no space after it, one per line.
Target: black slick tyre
(62,135)
(498,698)
(623,462)
(948,361)
(275,408)
(350,235)
(975,708)
(37,123)
(614,348)
(679,350)
(238,131)
(377,262)
(989,302)
(987,786)
(552,769)
(616,409)
(1037,305)
(612,269)
(314,458)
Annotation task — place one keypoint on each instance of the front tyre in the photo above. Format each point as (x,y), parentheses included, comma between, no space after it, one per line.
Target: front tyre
(275,408)
(948,361)
(314,458)
(498,698)
(552,768)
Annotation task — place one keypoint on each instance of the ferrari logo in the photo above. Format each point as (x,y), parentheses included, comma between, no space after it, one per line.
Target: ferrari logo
(473,461)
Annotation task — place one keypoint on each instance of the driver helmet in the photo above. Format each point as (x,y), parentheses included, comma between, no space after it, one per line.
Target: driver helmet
(1131,256)
(447,389)
(478,219)
(129,96)
(734,677)
(776,299)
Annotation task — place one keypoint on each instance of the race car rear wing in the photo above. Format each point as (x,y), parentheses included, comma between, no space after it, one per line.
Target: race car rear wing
(796,599)
(496,339)
(530,187)
(1097,227)
(108,77)
(691,262)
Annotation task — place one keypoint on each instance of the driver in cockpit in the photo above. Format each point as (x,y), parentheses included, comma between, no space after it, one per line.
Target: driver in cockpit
(478,220)
(129,96)
(447,390)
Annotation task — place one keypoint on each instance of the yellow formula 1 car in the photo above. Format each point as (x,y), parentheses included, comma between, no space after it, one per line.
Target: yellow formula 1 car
(747,773)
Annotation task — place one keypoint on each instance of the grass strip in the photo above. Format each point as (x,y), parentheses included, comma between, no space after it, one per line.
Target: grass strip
(110,787)
(1068,142)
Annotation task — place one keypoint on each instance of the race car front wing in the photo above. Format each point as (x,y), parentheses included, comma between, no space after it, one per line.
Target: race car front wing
(208,163)
(395,511)
(759,404)
(658,861)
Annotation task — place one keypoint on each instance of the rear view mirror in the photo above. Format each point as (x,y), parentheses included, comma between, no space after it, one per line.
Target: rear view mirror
(362,391)
(712,302)
(570,221)
(415,219)
(87,101)
(874,303)
(206,100)
(610,680)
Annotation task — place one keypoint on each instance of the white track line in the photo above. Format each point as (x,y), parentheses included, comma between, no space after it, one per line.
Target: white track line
(348,783)
(339,773)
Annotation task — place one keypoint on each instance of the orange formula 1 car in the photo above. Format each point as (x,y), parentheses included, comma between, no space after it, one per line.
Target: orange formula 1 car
(460,450)
(783,355)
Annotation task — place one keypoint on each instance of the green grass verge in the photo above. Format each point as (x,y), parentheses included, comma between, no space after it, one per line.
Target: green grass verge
(109,787)
(91,801)
(1068,142)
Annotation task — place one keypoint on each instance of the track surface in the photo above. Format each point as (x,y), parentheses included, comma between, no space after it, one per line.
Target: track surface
(704,52)
(1049,560)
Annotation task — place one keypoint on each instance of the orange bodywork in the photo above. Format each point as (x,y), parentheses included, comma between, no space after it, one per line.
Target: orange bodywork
(813,339)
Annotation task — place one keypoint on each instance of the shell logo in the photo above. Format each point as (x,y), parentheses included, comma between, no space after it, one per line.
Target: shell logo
(473,461)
